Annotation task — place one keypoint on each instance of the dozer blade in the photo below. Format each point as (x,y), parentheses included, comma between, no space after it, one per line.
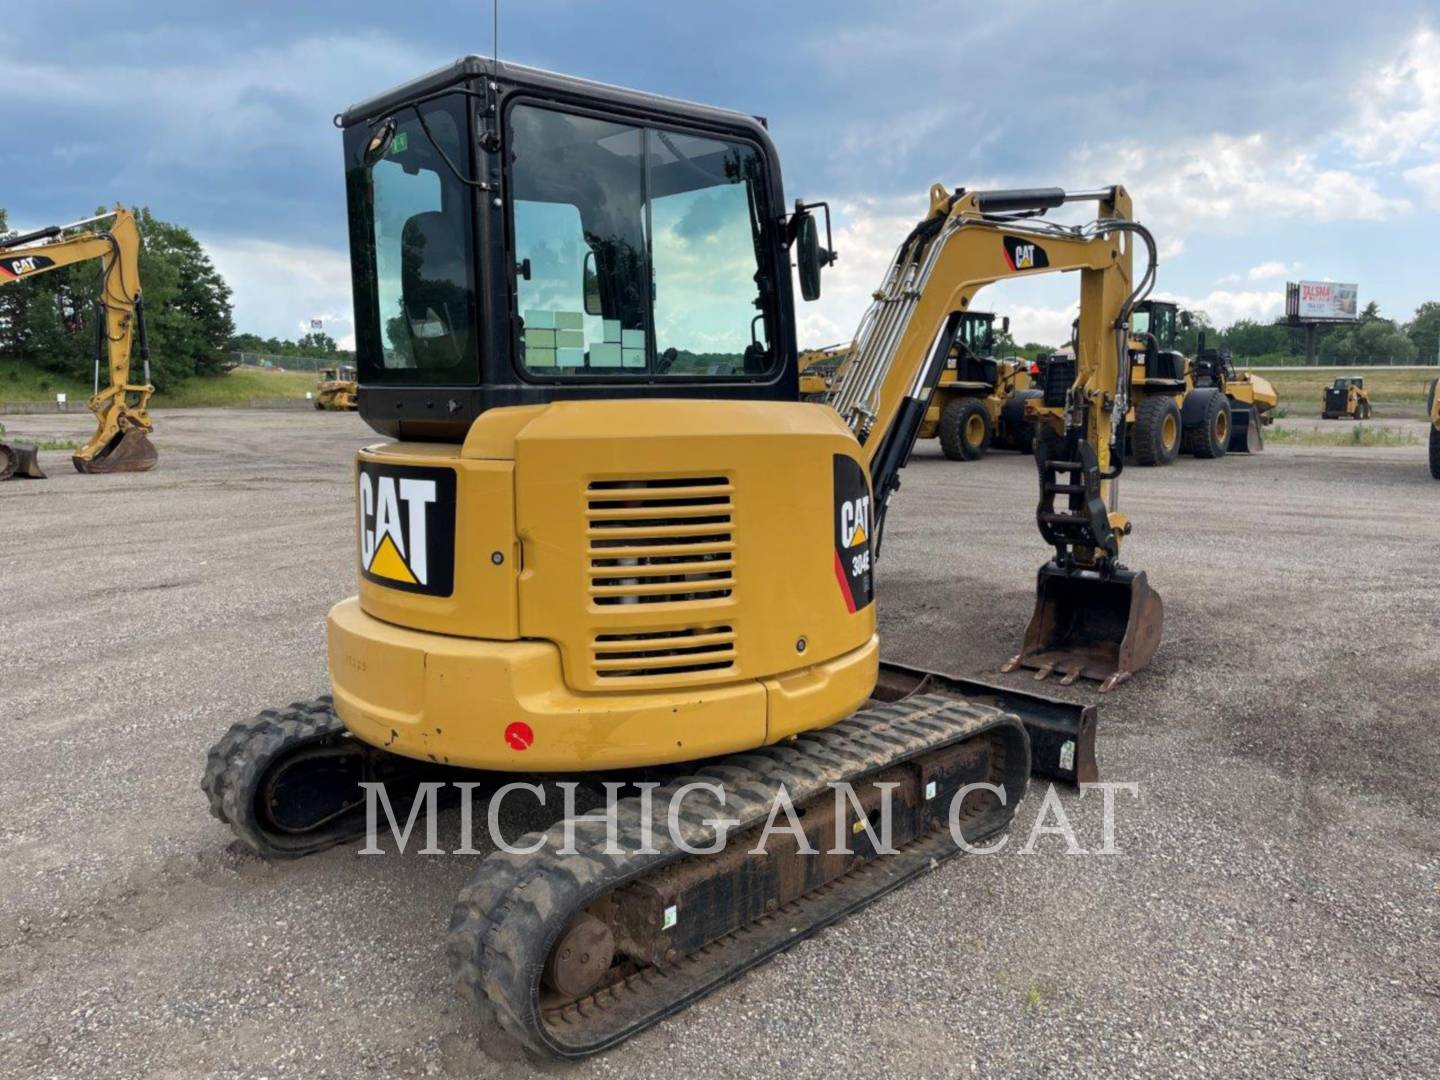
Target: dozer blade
(130,451)
(19,460)
(1062,733)
(1092,627)
(1245,436)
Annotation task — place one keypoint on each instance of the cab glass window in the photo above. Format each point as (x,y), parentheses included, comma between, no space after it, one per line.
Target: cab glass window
(638,251)
(412,252)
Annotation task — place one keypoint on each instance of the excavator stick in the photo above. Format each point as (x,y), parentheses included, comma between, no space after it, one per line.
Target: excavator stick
(127,451)
(1090,625)
(19,460)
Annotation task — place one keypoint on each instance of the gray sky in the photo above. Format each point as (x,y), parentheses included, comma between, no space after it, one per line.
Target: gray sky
(1261,141)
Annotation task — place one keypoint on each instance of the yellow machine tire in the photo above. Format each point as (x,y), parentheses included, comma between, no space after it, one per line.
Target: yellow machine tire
(1155,439)
(1435,452)
(964,430)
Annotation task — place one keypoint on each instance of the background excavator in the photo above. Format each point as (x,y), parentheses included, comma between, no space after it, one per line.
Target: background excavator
(121,442)
(610,539)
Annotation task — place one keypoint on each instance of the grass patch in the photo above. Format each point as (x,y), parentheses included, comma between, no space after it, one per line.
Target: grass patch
(25,382)
(48,444)
(1359,435)
(238,387)
(1303,389)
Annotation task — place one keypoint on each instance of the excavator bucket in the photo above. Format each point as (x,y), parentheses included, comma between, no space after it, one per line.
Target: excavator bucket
(19,460)
(1091,626)
(1245,436)
(130,451)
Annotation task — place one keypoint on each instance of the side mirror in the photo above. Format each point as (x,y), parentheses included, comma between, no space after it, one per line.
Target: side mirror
(380,142)
(807,255)
(1005,324)
(1185,319)
(810,257)
(590,285)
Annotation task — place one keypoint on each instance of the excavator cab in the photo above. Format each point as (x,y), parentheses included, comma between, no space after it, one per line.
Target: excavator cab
(583,263)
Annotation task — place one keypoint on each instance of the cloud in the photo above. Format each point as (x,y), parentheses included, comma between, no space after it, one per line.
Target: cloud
(1398,107)
(1426,178)
(1274,270)
(1199,181)
(278,286)
(1225,306)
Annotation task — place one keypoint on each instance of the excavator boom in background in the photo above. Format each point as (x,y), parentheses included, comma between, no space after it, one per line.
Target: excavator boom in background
(121,442)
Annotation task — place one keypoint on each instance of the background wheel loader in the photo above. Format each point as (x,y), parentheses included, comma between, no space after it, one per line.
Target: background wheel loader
(337,389)
(121,442)
(1205,407)
(979,402)
(1346,398)
(608,538)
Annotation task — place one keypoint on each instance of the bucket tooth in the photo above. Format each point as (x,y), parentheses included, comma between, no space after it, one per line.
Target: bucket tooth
(1090,625)
(130,451)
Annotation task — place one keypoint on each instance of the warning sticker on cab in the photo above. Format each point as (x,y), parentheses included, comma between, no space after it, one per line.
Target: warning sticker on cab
(407,527)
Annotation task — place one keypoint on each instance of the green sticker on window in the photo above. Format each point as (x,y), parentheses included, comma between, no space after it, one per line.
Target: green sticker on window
(400,143)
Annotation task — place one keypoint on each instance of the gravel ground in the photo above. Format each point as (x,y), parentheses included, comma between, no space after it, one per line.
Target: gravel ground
(1274,910)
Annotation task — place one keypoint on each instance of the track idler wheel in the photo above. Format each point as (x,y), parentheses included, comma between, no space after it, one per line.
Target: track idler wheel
(288,782)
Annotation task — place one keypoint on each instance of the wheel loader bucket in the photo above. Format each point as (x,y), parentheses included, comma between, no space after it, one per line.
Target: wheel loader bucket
(1091,626)
(1245,436)
(130,451)
(19,460)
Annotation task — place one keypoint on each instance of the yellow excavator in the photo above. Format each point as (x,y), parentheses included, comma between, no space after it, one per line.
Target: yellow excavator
(121,442)
(607,538)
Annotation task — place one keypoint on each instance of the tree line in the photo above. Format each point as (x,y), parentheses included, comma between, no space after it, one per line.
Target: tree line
(50,321)
(1370,339)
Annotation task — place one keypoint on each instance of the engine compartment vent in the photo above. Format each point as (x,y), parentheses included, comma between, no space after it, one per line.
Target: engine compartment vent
(660,541)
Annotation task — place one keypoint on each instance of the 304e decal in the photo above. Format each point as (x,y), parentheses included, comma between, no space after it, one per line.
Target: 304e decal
(1024,254)
(852,533)
(407,527)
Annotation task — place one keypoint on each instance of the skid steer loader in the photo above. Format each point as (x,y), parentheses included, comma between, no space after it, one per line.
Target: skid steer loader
(1346,398)
(608,538)
(121,442)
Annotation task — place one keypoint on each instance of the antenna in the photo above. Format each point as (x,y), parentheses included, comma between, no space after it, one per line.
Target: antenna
(494,31)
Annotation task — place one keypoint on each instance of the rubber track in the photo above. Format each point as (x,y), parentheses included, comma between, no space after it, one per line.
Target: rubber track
(237,763)
(506,919)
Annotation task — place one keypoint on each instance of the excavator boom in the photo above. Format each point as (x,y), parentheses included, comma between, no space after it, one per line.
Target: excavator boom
(1093,618)
(121,442)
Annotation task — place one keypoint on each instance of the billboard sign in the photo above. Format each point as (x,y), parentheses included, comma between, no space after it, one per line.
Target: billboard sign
(1323,301)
